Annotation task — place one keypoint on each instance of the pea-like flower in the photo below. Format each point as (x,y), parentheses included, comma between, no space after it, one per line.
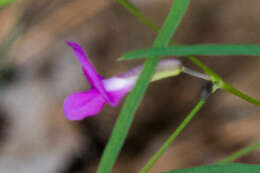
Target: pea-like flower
(80,105)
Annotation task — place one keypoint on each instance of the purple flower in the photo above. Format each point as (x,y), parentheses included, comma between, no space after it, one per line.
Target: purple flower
(80,105)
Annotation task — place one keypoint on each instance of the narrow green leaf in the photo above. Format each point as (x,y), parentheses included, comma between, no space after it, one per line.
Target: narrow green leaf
(186,50)
(221,168)
(126,116)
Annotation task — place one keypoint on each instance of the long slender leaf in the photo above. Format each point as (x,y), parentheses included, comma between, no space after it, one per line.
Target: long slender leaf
(221,168)
(205,49)
(126,116)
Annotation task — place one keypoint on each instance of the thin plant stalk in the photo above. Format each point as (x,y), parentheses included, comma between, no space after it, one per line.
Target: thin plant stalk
(130,7)
(242,152)
(176,133)
(195,73)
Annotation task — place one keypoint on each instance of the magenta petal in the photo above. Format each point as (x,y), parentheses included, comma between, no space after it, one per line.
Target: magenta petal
(89,70)
(80,105)
(117,95)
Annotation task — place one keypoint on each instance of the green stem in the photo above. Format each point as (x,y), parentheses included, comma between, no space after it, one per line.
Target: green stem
(137,13)
(214,77)
(195,73)
(240,153)
(176,133)
(219,83)
(238,93)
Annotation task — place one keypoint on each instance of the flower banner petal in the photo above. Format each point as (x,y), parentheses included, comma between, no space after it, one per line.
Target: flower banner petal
(89,70)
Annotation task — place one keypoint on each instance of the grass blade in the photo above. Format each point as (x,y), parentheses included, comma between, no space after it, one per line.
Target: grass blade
(126,116)
(187,50)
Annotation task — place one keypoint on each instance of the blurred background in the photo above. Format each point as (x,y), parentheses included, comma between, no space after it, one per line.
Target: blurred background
(38,70)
